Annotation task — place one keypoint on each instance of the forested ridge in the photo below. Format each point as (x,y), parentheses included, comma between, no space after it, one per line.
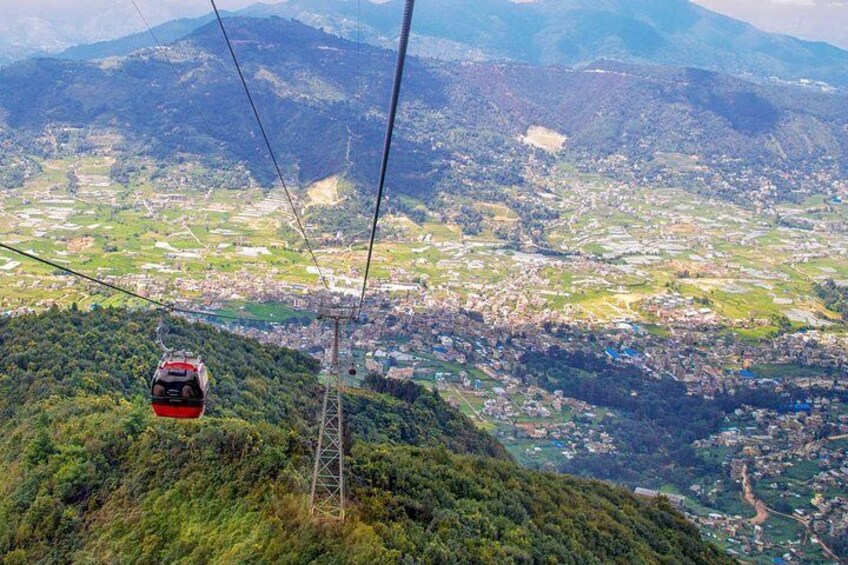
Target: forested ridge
(655,420)
(91,477)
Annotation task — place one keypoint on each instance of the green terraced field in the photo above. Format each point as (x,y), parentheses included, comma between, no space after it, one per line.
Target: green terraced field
(640,245)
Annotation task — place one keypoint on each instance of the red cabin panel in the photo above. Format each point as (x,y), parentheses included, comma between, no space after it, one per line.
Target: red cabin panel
(180,366)
(179,412)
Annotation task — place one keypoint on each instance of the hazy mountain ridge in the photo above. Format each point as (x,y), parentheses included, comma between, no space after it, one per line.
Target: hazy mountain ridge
(545,32)
(575,32)
(310,84)
(305,84)
(166,33)
(638,111)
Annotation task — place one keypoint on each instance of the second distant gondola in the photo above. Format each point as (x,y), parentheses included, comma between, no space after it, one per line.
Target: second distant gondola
(180,386)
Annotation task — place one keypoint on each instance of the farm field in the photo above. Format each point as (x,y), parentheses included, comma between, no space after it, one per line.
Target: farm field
(652,255)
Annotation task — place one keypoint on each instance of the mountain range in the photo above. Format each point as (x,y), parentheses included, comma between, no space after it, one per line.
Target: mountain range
(467,117)
(577,32)
(539,32)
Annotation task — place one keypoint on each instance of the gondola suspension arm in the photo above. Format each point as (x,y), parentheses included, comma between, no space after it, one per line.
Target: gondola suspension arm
(161,330)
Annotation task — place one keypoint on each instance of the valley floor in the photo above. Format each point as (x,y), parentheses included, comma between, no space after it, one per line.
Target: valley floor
(709,294)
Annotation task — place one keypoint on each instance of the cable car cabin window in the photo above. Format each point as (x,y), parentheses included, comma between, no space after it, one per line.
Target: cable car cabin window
(179,386)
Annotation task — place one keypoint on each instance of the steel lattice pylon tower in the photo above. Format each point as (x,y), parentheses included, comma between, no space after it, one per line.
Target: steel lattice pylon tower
(328,486)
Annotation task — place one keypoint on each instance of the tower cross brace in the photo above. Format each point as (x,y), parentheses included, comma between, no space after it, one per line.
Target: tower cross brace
(327,499)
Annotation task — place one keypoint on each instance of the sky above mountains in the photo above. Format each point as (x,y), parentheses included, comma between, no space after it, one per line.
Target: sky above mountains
(821,20)
(54,25)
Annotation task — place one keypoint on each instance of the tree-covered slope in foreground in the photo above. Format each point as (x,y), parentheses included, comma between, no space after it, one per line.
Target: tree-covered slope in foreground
(89,476)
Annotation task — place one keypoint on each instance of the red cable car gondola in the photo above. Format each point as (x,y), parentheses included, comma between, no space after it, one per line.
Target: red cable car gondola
(180,386)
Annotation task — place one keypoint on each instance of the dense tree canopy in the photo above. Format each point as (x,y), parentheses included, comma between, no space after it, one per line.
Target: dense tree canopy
(90,476)
(656,420)
(835,297)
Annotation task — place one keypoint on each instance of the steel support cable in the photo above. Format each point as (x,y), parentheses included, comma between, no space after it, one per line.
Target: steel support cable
(406,28)
(268,145)
(159,304)
(359,108)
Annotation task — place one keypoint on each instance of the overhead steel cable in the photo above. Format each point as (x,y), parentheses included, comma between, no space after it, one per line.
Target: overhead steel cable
(269,146)
(358,108)
(159,304)
(406,28)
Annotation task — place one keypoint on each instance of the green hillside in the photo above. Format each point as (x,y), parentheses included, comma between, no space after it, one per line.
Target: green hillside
(91,477)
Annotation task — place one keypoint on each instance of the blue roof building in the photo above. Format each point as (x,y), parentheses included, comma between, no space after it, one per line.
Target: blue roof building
(796,407)
(612,353)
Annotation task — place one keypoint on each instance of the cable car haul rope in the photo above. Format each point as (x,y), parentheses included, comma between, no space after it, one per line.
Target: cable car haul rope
(268,145)
(157,303)
(180,384)
(406,28)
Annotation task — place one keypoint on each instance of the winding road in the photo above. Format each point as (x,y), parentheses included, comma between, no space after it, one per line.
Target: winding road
(763,511)
(751,498)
